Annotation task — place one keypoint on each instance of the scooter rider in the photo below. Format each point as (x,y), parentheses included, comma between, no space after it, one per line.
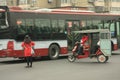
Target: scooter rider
(83,40)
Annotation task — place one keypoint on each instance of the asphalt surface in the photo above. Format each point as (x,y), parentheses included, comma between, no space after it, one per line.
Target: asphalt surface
(60,69)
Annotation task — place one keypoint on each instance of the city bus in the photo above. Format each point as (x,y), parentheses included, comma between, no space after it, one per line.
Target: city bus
(45,29)
(49,29)
(85,20)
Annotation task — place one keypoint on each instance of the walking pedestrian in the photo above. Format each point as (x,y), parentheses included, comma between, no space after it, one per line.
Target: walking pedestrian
(28,46)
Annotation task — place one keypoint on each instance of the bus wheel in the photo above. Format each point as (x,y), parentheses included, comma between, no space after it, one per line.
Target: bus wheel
(71,58)
(102,58)
(54,51)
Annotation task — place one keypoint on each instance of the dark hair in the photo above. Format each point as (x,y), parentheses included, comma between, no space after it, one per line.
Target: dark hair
(85,34)
(27,36)
(27,39)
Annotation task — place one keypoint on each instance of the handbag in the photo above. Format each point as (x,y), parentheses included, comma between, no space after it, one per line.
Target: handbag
(32,51)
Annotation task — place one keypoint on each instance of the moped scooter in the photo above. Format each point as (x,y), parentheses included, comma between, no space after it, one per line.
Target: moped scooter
(87,53)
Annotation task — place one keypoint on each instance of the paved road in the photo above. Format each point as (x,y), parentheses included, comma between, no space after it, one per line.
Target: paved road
(61,69)
(116,51)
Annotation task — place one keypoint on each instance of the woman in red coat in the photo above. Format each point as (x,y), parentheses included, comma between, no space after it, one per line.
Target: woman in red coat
(28,45)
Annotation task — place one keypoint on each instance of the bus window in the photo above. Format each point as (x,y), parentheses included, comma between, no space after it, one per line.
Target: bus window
(69,27)
(118,28)
(100,25)
(105,36)
(38,26)
(55,28)
(45,25)
(112,30)
(21,29)
(72,25)
(3,21)
(2,15)
(57,32)
(95,24)
(29,25)
(92,24)
(76,26)
(89,23)
(58,26)
(43,29)
(61,24)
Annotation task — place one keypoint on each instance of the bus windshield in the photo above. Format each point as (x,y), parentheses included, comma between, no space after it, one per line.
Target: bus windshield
(3,20)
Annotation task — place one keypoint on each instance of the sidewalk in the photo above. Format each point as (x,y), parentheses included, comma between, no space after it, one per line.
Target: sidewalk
(116,51)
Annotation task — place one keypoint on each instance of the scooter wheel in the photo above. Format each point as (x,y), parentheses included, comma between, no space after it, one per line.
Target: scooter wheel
(71,58)
(102,58)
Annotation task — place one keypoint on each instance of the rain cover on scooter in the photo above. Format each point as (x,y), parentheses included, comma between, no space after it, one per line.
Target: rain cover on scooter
(105,43)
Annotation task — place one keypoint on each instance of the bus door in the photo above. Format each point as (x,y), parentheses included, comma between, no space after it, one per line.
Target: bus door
(71,25)
(114,29)
(105,43)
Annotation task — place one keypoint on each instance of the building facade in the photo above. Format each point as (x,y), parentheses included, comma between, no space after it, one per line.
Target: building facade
(75,4)
(112,6)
